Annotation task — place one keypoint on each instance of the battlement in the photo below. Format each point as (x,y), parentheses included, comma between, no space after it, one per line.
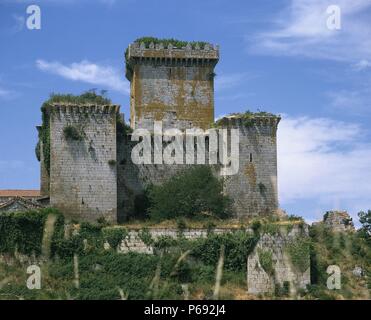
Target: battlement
(248,120)
(153,51)
(169,55)
(82,108)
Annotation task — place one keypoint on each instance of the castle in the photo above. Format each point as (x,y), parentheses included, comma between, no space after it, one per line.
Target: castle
(92,175)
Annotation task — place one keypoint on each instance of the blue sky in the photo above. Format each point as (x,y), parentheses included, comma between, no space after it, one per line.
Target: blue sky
(277,56)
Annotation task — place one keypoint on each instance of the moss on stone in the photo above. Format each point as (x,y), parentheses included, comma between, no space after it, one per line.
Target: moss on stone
(247,117)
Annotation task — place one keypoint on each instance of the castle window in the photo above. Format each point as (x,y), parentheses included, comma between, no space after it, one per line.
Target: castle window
(250,157)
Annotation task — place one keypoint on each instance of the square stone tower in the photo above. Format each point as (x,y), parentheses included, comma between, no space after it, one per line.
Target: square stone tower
(171,84)
(83,173)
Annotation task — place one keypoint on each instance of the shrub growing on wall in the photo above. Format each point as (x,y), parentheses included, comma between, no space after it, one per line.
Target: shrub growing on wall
(238,245)
(192,192)
(72,133)
(299,251)
(23,231)
(266,261)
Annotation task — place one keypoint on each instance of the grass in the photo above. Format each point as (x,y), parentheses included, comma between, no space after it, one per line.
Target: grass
(111,275)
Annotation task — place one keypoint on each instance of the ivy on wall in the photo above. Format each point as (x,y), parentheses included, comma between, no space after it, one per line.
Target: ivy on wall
(266,261)
(299,251)
(23,231)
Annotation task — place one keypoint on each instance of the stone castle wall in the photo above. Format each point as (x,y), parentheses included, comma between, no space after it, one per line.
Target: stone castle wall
(259,281)
(253,189)
(83,177)
(172,85)
(133,179)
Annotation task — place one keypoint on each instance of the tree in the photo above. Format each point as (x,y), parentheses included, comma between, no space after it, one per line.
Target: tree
(192,192)
(365,220)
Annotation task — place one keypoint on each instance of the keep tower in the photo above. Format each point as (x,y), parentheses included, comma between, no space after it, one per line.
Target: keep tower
(171,84)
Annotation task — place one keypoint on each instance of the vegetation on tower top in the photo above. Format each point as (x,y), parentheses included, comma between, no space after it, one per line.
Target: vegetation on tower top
(247,117)
(174,42)
(88,97)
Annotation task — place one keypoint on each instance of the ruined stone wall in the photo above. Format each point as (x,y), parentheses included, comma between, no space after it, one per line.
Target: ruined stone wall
(338,221)
(83,177)
(254,188)
(259,281)
(175,85)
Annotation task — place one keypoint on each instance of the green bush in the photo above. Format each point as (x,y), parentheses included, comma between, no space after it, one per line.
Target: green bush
(23,231)
(176,43)
(145,236)
(282,291)
(114,236)
(66,248)
(193,192)
(365,220)
(266,261)
(122,129)
(72,133)
(238,245)
(299,251)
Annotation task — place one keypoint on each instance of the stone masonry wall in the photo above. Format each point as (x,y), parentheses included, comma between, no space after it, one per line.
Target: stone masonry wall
(83,180)
(259,281)
(175,85)
(254,188)
(132,180)
(182,97)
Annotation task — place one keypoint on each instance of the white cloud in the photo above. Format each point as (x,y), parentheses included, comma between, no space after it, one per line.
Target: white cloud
(19,23)
(361,65)
(356,101)
(302,30)
(324,162)
(85,71)
(7,94)
(226,81)
(4,93)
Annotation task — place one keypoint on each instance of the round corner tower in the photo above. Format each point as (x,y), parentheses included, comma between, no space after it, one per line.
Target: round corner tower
(253,189)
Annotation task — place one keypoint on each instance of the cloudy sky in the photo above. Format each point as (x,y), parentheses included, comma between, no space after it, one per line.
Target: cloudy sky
(277,56)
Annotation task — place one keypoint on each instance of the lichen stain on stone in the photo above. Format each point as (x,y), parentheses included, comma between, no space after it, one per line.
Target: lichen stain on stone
(184,94)
(251,174)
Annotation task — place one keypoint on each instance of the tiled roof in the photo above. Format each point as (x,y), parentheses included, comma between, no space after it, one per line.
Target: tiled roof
(20,193)
(28,204)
